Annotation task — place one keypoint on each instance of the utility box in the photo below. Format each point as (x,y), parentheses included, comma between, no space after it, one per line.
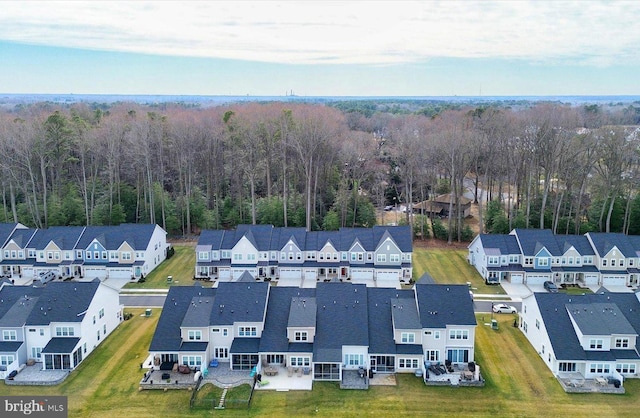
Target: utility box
(147,312)
(494,324)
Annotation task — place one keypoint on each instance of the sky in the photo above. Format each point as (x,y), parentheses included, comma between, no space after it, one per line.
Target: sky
(321,48)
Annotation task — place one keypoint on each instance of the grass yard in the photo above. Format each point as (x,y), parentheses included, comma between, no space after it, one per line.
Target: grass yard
(450,266)
(181,266)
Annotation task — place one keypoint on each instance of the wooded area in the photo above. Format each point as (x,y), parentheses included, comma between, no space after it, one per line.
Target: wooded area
(322,166)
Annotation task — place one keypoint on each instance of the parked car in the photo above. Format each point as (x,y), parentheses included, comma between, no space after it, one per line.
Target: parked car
(551,287)
(504,308)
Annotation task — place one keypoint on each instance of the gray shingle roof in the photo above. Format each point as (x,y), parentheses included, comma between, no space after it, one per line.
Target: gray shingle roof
(380,320)
(245,346)
(10,346)
(199,311)
(440,305)
(61,345)
(22,237)
(599,319)
(533,240)
(506,244)
(274,335)
(167,335)
(65,237)
(239,302)
(342,318)
(302,312)
(63,302)
(604,242)
(6,230)
(405,314)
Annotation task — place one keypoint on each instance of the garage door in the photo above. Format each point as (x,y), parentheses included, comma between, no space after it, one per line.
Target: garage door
(590,279)
(120,273)
(310,274)
(361,274)
(536,279)
(614,281)
(93,272)
(290,273)
(393,275)
(517,278)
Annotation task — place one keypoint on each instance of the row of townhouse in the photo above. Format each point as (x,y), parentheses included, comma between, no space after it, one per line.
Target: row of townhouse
(57,325)
(592,336)
(326,330)
(379,256)
(534,256)
(123,251)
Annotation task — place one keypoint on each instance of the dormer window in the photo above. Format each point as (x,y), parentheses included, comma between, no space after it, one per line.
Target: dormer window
(622,343)
(194,335)
(595,343)
(301,336)
(408,337)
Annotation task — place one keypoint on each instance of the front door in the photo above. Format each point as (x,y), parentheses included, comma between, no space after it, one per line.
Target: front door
(373,364)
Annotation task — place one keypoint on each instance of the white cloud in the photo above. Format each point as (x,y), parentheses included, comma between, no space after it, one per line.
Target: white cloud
(358,32)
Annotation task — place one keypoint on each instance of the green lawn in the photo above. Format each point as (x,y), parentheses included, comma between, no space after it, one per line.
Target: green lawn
(181,266)
(450,266)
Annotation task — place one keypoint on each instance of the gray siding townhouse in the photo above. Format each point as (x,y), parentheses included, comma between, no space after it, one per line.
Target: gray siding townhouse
(377,257)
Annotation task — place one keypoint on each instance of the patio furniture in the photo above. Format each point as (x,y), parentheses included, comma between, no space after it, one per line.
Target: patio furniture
(601,381)
(270,371)
(467,375)
(213,363)
(166,376)
(306,371)
(289,371)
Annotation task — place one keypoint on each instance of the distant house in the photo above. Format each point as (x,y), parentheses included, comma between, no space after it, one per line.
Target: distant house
(326,332)
(439,206)
(534,256)
(579,337)
(57,325)
(378,256)
(122,251)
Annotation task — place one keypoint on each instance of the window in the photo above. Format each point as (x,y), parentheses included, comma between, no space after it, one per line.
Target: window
(203,255)
(79,254)
(459,334)
(36,352)
(436,335)
(300,361)
(56,255)
(225,254)
(96,255)
(41,331)
(194,335)
(570,260)
(354,256)
(9,335)
(354,360)
(458,355)
(94,319)
(381,258)
(432,355)
(604,262)
(98,335)
(537,324)
(32,253)
(344,256)
(626,368)
(101,313)
(104,329)
(514,259)
(13,254)
(408,363)
(221,352)
(301,336)
(6,360)
(528,261)
(6,253)
(369,256)
(621,263)
(247,331)
(215,330)
(566,367)
(543,261)
(192,361)
(126,256)
(237,257)
(251,257)
(622,343)
(595,344)
(408,337)
(225,332)
(394,258)
(493,260)
(599,368)
(66,332)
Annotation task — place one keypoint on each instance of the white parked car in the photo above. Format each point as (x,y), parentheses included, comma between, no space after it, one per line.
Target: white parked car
(503,308)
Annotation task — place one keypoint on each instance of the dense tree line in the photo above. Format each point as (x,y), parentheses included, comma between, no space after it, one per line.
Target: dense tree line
(546,165)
